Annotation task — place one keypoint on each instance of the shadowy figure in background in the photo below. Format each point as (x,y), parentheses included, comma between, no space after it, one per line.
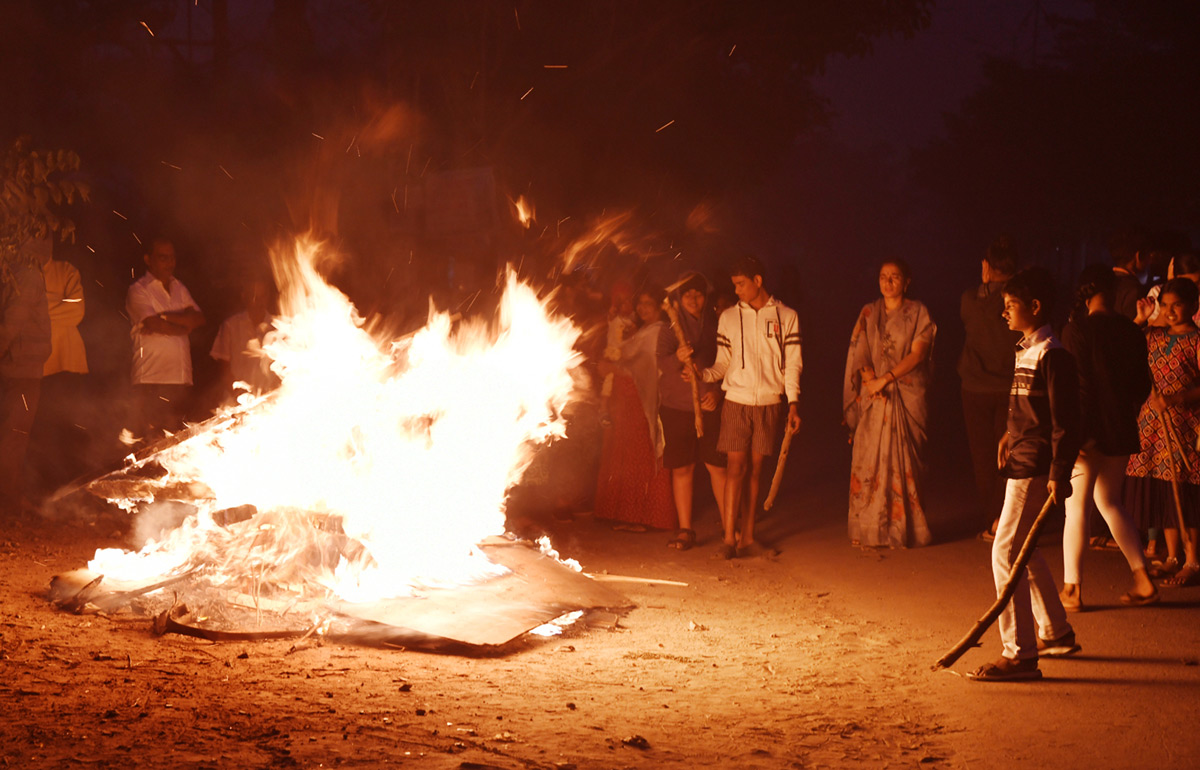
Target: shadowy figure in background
(163,314)
(887,374)
(1114,381)
(683,449)
(1130,255)
(986,368)
(24,346)
(59,444)
(1037,454)
(1169,425)
(238,344)
(633,487)
(758,363)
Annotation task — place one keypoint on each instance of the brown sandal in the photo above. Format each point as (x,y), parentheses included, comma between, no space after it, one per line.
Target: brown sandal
(684,540)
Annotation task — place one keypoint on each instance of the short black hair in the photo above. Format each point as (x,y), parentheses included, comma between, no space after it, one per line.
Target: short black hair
(1095,279)
(1033,283)
(1001,255)
(747,265)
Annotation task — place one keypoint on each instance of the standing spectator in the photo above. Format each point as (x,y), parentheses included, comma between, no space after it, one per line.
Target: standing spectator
(163,314)
(58,443)
(887,374)
(24,346)
(683,450)
(1169,424)
(633,488)
(759,363)
(985,368)
(238,345)
(1037,455)
(1114,380)
(1129,255)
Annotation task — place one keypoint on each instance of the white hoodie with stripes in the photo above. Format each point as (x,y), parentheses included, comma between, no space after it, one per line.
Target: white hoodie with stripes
(758,354)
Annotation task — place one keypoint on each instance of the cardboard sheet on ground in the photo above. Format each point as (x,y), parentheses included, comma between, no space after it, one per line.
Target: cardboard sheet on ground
(537,590)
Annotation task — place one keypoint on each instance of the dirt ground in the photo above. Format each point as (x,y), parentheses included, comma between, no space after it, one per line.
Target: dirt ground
(817,658)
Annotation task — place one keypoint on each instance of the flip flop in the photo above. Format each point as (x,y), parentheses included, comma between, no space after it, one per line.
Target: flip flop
(756,550)
(1130,599)
(684,540)
(1007,670)
(726,552)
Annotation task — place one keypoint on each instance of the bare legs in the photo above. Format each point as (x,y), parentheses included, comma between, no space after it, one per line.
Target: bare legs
(741,496)
(682,480)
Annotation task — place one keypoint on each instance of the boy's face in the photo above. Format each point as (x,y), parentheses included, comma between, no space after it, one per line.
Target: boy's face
(1021,317)
(747,289)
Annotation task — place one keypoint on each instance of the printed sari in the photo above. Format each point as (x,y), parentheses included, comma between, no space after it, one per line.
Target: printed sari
(889,429)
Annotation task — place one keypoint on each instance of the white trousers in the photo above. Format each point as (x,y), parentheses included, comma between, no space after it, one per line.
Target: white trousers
(1035,609)
(1098,477)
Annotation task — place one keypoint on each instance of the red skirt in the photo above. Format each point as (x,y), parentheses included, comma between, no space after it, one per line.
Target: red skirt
(633,485)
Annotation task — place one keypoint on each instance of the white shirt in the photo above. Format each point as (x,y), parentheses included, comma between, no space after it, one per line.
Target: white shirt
(239,341)
(159,359)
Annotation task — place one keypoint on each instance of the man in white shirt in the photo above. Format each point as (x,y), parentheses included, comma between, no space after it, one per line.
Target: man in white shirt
(758,363)
(238,345)
(163,314)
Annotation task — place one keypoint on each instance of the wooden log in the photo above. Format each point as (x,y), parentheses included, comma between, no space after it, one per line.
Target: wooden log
(989,617)
(673,314)
(777,479)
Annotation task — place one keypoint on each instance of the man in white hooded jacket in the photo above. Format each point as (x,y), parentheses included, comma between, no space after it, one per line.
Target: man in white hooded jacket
(758,363)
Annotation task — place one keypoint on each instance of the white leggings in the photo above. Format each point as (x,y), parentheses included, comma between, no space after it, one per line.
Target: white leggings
(1098,477)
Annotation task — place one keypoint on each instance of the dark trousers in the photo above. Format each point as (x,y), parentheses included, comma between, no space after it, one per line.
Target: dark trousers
(18,407)
(160,408)
(986,416)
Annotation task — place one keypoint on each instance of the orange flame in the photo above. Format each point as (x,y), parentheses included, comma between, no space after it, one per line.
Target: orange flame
(409,445)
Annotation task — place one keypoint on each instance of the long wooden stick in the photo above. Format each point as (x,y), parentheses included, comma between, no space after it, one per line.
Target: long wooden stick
(777,479)
(673,314)
(989,617)
(1169,433)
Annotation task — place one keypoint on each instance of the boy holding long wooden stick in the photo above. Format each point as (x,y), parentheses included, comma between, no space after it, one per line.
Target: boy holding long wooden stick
(1036,454)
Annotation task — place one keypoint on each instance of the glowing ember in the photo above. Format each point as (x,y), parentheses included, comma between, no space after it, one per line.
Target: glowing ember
(400,451)
(524,211)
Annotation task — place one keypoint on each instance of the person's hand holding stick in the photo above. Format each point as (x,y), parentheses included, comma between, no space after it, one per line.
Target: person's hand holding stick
(685,356)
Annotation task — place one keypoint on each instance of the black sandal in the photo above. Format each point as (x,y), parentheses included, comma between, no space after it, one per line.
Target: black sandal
(683,540)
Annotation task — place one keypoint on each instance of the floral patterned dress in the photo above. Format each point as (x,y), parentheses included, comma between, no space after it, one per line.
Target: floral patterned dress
(889,429)
(1175,366)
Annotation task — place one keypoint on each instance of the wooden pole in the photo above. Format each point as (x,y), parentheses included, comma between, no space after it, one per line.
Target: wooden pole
(1169,434)
(673,314)
(1018,569)
(777,479)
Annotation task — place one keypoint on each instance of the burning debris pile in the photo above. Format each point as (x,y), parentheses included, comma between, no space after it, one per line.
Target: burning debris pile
(365,496)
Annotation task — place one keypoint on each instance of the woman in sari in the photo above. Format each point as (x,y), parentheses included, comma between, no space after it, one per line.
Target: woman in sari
(887,374)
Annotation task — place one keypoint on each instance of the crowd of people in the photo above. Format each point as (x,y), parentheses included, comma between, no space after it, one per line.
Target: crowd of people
(1105,420)
(43,357)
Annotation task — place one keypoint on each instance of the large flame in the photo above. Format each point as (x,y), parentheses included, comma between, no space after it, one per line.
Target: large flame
(409,446)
